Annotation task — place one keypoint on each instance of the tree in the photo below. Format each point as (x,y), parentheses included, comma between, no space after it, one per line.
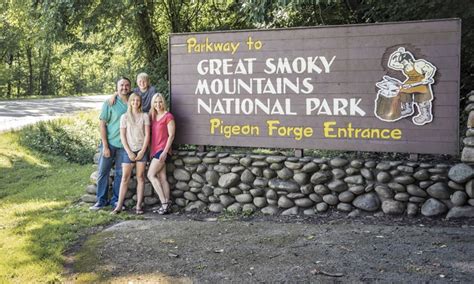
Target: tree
(52,47)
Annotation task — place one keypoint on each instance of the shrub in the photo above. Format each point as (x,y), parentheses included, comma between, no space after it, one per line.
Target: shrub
(74,138)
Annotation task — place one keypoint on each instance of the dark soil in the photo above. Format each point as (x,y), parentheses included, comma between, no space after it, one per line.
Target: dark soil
(323,248)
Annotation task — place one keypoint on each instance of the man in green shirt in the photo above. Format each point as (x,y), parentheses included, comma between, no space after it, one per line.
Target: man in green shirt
(112,150)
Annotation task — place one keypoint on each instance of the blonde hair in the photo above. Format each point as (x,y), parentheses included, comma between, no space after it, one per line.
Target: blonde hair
(129,108)
(144,76)
(153,111)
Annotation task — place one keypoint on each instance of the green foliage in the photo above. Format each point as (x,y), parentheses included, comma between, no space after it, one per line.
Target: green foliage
(74,139)
(281,14)
(63,47)
(52,48)
(232,215)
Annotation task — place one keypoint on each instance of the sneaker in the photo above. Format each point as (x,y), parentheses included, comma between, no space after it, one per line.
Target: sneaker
(96,207)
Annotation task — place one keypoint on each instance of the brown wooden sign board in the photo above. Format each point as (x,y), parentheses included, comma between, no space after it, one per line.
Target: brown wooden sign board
(391,87)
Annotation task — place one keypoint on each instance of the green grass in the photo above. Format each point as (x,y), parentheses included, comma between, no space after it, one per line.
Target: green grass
(74,138)
(40,217)
(87,259)
(230,215)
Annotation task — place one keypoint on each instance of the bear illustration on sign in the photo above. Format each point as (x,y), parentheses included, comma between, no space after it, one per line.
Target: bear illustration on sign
(396,99)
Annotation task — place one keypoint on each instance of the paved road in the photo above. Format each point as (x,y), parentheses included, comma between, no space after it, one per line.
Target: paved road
(18,113)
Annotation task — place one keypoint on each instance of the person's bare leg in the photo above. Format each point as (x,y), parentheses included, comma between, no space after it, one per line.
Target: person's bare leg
(153,170)
(140,184)
(126,174)
(164,183)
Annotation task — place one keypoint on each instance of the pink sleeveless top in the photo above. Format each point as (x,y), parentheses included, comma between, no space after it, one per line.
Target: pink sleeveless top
(159,133)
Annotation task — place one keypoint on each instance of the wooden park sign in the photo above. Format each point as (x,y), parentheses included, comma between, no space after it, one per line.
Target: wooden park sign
(390,87)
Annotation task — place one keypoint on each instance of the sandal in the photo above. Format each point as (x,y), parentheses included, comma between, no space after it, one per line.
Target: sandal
(139,211)
(164,209)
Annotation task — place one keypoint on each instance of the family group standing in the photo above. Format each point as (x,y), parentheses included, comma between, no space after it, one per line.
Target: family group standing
(135,128)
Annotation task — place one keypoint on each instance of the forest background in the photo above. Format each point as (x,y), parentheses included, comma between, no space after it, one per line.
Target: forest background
(70,47)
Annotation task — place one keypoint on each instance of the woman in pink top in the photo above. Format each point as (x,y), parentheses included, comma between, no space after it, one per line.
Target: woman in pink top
(162,135)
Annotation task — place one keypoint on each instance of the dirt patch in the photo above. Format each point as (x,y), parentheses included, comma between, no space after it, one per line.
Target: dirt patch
(205,248)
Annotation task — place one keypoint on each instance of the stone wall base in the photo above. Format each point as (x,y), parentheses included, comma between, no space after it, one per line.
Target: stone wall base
(211,181)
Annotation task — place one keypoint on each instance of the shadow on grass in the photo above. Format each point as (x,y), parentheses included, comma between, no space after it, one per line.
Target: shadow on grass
(53,229)
(18,173)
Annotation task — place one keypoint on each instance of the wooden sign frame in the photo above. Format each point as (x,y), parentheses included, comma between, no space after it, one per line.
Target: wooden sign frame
(390,87)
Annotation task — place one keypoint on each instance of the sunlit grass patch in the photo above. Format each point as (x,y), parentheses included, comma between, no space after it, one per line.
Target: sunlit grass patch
(39,213)
(5,162)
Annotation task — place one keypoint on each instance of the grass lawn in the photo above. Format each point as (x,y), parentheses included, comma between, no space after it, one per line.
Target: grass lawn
(39,212)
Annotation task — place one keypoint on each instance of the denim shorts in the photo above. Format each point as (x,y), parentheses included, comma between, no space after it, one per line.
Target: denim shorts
(126,159)
(158,154)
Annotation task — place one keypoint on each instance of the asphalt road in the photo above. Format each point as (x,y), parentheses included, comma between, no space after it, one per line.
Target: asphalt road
(16,114)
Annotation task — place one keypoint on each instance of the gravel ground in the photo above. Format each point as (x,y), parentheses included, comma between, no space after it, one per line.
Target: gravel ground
(183,248)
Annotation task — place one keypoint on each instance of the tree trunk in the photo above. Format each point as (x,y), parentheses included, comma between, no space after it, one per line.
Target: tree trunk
(29,56)
(150,38)
(174,11)
(18,77)
(44,85)
(10,67)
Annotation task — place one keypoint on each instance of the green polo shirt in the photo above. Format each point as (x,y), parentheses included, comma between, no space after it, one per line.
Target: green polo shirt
(111,115)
